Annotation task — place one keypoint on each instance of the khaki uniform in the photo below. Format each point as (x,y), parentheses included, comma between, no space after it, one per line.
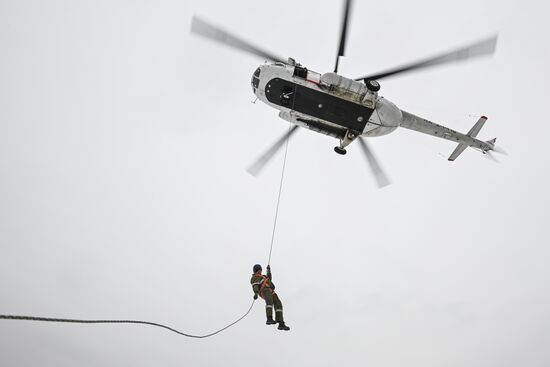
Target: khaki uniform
(264,287)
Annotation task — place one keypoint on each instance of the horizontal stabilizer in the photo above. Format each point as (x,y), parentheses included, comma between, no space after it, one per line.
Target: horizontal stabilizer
(472,134)
(458,151)
(477,127)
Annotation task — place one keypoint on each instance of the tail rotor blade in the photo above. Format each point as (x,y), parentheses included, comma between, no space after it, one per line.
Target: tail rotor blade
(491,157)
(499,150)
(489,154)
(202,28)
(481,48)
(260,163)
(379,175)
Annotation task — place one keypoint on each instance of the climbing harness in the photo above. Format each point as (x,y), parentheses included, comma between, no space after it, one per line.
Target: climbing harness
(262,287)
(79,321)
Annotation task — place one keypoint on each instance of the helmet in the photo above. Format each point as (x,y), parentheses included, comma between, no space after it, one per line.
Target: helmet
(257,268)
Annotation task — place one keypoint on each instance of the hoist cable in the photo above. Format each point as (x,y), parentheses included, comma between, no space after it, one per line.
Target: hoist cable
(279,196)
(77,321)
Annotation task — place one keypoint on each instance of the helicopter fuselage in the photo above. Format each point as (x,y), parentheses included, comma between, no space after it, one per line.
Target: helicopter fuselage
(329,103)
(344,108)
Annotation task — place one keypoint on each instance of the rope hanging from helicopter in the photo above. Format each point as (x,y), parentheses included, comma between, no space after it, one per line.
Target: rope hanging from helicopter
(149,323)
(279,195)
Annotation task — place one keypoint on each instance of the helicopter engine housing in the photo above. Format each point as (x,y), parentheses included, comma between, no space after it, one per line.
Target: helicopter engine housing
(344,87)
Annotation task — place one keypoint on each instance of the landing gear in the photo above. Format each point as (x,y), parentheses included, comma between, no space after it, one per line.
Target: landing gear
(345,141)
(340,151)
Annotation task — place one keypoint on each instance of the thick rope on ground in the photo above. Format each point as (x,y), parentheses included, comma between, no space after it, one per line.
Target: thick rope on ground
(77,321)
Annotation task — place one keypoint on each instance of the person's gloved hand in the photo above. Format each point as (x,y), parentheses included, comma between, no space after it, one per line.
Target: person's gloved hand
(255,296)
(268,268)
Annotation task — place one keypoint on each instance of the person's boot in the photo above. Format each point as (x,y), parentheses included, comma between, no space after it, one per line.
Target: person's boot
(282,326)
(270,321)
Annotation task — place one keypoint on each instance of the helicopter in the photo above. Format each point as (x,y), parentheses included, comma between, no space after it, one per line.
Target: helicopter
(343,108)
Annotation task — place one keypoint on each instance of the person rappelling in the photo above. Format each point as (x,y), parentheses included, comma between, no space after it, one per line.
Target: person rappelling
(263,286)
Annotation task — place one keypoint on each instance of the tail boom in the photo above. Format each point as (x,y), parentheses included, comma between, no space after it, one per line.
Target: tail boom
(422,125)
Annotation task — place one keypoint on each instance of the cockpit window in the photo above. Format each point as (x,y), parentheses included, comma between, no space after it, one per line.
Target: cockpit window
(255,82)
(255,79)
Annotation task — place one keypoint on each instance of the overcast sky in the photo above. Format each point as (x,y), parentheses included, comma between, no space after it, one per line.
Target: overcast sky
(123,191)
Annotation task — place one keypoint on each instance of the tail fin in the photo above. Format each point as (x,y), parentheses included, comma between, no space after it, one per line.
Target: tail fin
(492,142)
(472,134)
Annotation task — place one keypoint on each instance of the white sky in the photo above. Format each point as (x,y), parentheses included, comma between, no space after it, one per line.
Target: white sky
(123,191)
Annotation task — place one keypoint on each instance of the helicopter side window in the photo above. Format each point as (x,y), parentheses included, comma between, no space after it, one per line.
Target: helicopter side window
(287,95)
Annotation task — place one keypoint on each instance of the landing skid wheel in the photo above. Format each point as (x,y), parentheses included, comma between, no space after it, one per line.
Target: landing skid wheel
(340,151)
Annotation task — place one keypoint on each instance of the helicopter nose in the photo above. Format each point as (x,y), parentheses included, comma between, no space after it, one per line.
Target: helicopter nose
(255,80)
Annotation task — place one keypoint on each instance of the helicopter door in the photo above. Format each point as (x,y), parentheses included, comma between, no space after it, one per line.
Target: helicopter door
(287,96)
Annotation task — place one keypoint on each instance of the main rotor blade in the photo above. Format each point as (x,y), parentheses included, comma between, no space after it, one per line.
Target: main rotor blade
(481,48)
(257,166)
(202,28)
(379,175)
(343,33)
